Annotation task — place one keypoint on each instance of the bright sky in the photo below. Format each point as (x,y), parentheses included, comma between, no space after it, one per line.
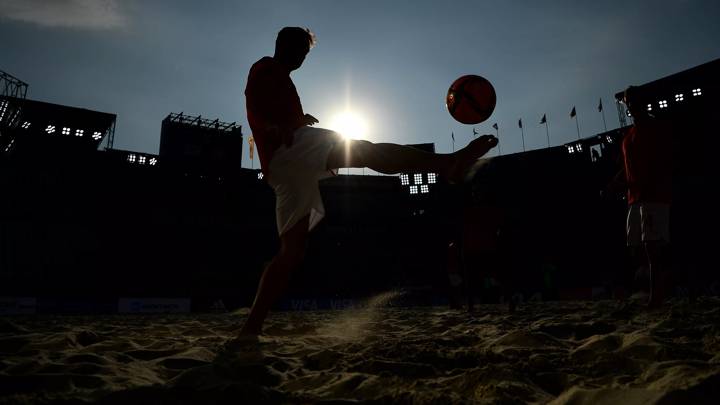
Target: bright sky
(388,62)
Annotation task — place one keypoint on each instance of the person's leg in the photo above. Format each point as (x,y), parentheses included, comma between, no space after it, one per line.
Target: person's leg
(391,158)
(638,273)
(660,276)
(656,237)
(275,278)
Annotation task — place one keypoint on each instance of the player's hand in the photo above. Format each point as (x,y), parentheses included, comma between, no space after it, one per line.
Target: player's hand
(310,120)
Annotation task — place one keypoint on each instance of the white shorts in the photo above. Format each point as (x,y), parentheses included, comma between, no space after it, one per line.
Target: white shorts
(294,175)
(648,222)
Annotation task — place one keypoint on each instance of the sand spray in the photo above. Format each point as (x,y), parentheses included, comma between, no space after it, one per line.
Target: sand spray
(352,324)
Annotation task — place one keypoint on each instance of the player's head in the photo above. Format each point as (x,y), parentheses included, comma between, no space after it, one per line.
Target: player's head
(293,44)
(633,101)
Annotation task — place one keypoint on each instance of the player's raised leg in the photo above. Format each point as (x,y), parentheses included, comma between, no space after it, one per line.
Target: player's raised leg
(390,158)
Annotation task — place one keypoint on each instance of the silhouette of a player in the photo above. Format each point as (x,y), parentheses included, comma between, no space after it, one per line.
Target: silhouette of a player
(294,156)
(647,167)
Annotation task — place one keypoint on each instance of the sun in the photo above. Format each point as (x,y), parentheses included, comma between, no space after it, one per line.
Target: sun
(349,124)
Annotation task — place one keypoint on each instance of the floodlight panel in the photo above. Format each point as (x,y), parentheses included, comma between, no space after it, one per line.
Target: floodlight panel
(12,141)
(3,109)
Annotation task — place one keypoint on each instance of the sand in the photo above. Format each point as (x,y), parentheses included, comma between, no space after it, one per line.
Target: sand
(558,352)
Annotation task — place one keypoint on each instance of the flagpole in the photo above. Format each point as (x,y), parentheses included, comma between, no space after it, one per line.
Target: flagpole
(522,133)
(251,151)
(497,135)
(543,120)
(577,125)
(602,110)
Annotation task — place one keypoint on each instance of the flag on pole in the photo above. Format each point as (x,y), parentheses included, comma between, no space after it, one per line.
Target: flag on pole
(452,135)
(573,114)
(475,132)
(543,120)
(495,126)
(600,106)
(251,144)
(520,123)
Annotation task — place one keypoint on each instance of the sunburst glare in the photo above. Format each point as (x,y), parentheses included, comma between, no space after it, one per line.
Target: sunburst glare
(349,124)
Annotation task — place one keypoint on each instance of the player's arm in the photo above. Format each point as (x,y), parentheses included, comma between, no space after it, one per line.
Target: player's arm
(618,183)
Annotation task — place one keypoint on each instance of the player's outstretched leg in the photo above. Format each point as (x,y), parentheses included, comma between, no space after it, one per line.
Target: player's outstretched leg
(465,157)
(391,158)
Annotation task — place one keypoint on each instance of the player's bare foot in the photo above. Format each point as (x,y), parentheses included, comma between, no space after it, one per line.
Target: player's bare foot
(250,330)
(239,342)
(466,157)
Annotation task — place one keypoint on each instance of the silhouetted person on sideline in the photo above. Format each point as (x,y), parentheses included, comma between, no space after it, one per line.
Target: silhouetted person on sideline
(455,275)
(295,156)
(647,158)
(481,227)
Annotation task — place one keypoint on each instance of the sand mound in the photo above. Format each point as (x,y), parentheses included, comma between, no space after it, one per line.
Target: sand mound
(571,352)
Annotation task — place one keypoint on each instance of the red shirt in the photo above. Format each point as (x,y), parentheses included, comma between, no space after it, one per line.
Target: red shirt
(273,107)
(647,152)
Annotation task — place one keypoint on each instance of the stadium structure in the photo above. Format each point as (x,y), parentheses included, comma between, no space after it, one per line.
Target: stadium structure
(83,223)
